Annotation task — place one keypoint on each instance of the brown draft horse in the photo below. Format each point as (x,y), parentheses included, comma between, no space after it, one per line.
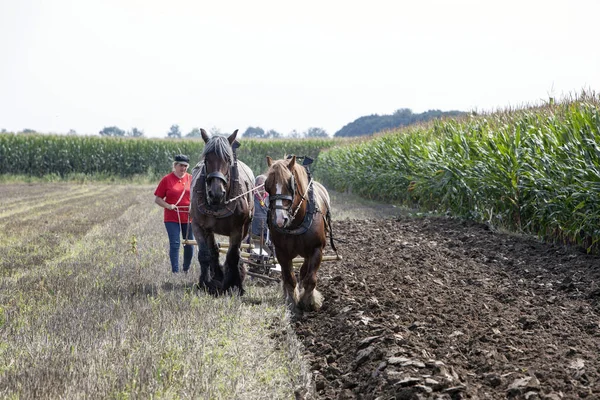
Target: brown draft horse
(299,214)
(221,202)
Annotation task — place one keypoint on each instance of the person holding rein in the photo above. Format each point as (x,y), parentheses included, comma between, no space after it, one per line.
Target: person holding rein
(173,194)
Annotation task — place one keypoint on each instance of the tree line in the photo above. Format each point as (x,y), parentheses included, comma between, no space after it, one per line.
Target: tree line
(255,132)
(366,125)
(370,124)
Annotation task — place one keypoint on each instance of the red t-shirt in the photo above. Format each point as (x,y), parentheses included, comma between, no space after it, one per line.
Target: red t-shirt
(170,189)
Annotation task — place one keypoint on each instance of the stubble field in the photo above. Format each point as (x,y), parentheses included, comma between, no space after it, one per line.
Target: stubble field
(90,309)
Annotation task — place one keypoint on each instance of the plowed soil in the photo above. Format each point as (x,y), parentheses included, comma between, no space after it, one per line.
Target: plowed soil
(436,308)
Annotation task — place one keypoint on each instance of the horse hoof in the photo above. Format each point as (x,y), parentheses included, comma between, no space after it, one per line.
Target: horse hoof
(296,313)
(201,286)
(233,290)
(211,287)
(311,303)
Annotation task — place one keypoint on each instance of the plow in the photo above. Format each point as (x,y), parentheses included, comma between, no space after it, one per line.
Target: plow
(260,263)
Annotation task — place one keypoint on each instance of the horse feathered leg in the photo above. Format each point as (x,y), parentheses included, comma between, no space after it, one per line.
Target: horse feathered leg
(310,297)
(235,272)
(208,257)
(290,289)
(203,255)
(204,260)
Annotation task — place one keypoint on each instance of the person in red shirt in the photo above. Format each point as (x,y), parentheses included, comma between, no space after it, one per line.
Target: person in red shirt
(173,194)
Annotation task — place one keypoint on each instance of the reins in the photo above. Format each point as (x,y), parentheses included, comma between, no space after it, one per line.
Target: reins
(302,199)
(187,234)
(243,194)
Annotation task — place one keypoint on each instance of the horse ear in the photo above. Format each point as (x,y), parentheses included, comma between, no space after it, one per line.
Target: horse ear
(269,161)
(231,137)
(204,135)
(292,163)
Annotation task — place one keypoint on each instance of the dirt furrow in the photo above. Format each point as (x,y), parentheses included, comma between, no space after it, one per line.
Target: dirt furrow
(438,308)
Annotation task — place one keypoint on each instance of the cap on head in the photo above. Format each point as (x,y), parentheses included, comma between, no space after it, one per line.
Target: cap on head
(182,159)
(259,179)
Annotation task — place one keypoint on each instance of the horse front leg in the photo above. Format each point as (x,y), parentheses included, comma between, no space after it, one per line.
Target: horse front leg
(208,257)
(235,271)
(216,272)
(203,255)
(290,289)
(310,298)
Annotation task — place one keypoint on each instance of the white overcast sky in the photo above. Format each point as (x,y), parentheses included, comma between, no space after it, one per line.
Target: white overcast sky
(283,65)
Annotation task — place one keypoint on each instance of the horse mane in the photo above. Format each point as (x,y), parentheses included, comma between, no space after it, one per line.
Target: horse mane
(221,147)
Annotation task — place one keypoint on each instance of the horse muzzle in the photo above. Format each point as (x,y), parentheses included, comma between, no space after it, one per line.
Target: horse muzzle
(216,188)
(215,199)
(282,218)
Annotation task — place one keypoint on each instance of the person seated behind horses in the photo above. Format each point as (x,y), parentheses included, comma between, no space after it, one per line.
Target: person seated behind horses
(259,221)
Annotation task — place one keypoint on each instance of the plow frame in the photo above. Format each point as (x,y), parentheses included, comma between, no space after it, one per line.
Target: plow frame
(261,265)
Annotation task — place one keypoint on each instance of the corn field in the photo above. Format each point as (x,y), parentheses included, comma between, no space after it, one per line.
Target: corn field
(42,155)
(535,170)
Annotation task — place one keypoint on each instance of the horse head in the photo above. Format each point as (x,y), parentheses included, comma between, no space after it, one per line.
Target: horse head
(218,159)
(284,181)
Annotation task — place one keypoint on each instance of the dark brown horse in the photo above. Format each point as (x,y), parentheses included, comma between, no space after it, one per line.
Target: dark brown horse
(299,215)
(221,203)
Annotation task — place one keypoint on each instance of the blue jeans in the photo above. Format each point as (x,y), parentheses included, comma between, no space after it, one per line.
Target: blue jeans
(175,232)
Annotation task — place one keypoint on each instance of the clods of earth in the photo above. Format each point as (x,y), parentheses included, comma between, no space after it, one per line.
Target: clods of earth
(437,308)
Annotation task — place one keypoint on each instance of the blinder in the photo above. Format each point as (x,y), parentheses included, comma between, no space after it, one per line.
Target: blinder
(292,189)
(217,175)
(292,186)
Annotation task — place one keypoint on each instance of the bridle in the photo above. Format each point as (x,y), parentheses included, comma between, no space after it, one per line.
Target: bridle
(218,175)
(291,185)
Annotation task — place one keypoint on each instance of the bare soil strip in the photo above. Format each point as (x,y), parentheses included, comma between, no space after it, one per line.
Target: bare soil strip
(438,308)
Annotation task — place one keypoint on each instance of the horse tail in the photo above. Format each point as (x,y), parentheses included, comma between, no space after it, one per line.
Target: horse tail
(328,220)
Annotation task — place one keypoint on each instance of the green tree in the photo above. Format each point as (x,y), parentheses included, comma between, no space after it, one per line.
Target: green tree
(112,131)
(272,133)
(403,113)
(294,134)
(371,124)
(315,133)
(215,131)
(135,132)
(254,132)
(194,133)
(174,132)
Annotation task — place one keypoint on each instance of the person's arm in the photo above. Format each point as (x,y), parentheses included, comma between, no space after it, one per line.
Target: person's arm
(161,202)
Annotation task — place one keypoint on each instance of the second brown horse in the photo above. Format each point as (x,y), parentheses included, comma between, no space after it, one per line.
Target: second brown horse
(299,216)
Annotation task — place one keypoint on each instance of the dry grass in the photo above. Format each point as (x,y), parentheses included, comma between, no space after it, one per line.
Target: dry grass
(90,309)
